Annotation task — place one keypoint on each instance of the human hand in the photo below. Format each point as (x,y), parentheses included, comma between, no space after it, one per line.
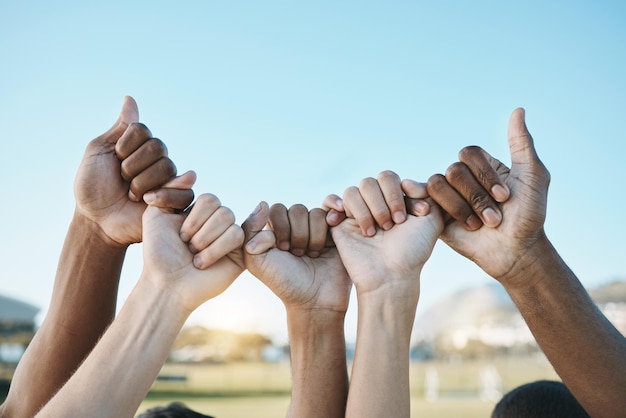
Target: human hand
(388,257)
(195,254)
(118,168)
(295,258)
(503,250)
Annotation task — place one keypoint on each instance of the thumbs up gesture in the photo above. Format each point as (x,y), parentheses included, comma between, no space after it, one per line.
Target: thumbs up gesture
(504,249)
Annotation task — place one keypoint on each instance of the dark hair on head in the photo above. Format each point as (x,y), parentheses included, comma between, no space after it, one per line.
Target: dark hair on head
(173,410)
(539,399)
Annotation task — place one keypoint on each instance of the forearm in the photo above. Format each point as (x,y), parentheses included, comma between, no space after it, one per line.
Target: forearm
(586,350)
(117,374)
(82,307)
(318,363)
(380,375)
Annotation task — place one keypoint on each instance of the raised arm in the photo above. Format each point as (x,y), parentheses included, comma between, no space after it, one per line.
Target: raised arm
(586,350)
(385,266)
(106,221)
(296,260)
(179,274)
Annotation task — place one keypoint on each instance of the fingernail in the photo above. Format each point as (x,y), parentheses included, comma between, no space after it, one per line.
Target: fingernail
(422,207)
(499,193)
(250,246)
(184,237)
(398,217)
(332,218)
(257,209)
(314,254)
(371,231)
(473,222)
(298,252)
(387,226)
(197,262)
(192,249)
(284,245)
(492,218)
(149,197)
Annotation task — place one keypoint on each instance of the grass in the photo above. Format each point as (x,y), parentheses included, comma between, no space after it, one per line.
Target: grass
(262,390)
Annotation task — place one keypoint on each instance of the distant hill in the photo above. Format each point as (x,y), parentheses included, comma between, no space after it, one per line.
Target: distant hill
(473,310)
(612,292)
(466,307)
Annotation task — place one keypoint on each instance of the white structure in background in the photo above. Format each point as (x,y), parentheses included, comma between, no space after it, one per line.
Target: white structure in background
(431,384)
(490,384)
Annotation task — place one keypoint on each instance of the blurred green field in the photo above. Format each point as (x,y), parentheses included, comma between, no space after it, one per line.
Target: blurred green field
(262,390)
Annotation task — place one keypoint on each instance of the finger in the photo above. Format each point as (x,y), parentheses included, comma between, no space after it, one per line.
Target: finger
(228,241)
(521,142)
(151,178)
(415,197)
(299,229)
(257,240)
(452,202)
(153,149)
(417,207)
(391,187)
(356,208)
(169,198)
(333,205)
(216,224)
(482,204)
(205,206)
(318,232)
(183,181)
(376,204)
(128,114)
(279,222)
(476,159)
(134,136)
(175,194)
(414,189)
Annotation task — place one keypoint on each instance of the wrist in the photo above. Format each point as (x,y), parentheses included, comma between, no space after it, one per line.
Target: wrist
(533,266)
(165,302)
(90,228)
(392,308)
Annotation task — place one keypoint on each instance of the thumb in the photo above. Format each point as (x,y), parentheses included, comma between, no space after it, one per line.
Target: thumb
(521,142)
(256,221)
(129,114)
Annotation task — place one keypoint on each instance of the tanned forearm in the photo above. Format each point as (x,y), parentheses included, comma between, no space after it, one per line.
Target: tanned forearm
(318,363)
(586,350)
(82,306)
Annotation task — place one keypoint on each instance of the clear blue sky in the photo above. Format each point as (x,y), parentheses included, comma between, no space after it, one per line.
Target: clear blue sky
(288,102)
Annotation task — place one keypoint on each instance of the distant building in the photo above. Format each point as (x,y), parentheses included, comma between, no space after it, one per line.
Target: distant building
(17,328)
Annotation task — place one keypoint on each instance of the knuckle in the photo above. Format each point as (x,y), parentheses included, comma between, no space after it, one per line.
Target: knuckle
(138,128)
(455,171)
(367,182)
(156,147)
(435,183)
(469,152)
(298,208)
(226,215)
(388,174)
(207,199)
(350,192)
